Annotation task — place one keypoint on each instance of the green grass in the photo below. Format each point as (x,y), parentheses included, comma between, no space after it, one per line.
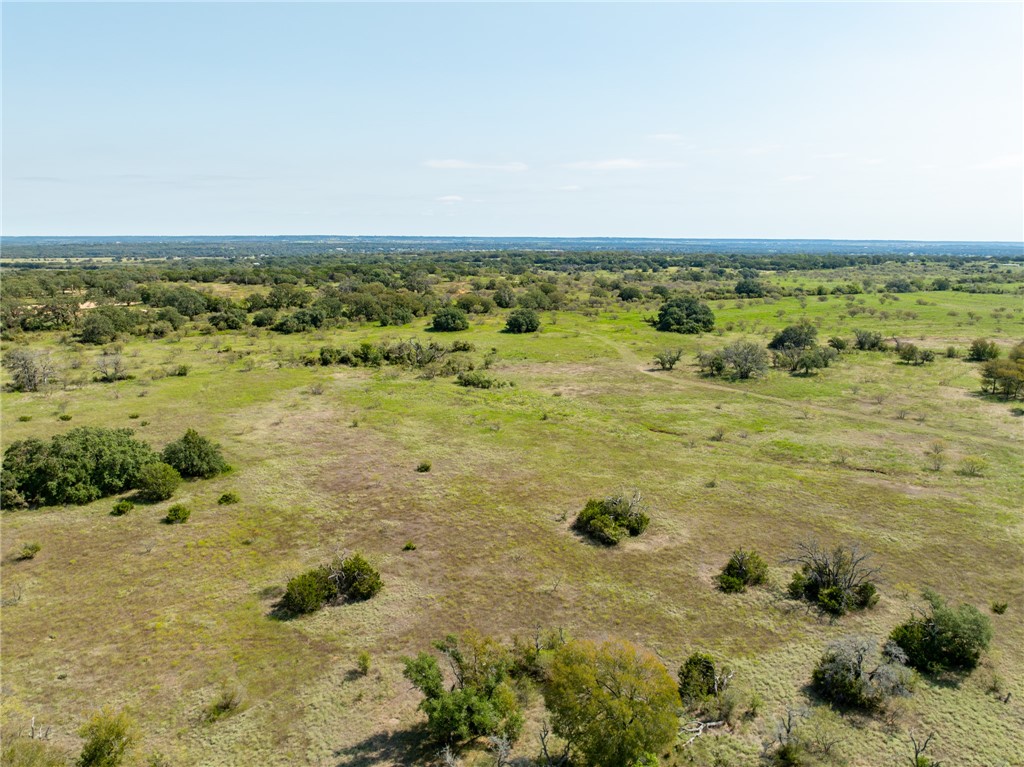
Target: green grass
(158,619)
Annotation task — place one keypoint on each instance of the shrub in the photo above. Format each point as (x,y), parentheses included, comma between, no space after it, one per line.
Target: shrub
(77,467)
(308,592)
(64,417)
(20,751)
(685,315)
(867,340)
(842,674)
(697,679)
(178,514)
(982,349)
(836,580)
(522,321)
(108,737)
(610,520)
(228,702)
(195,456)
(667,359)
(423,467)
(228,498)
(157,481)
(999,607)
(449,319)
(29,551)
(409,546)
(972,466)
(744,568)
(947,639)
(799,336)
(356,579)
(476,379)
(363,661)
(122,507)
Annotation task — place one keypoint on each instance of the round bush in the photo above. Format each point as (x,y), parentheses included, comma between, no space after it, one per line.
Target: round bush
(178,514)
(122,507)
(157,481)
(357,579)
(308,592)
(449,319)
(195,456)
(522,321)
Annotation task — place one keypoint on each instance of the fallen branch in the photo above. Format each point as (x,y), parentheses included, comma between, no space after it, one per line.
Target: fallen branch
(698,728)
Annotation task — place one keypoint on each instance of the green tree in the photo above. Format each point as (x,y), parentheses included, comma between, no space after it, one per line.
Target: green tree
(685,315)
(522,320)
(157,481)
(108,738)
(946,638)
(449,319)
(800,336)
(195,456)
(613,703)
(744,568)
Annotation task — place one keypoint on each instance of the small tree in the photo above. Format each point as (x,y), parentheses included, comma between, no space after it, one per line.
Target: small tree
(744,568)
(613,703)
(982,349)
(195,456)
(944,639)
(685,315)
(610,520)
(522,321)
(745,359)
(799,336)
(449,319)
(867,340)
(157,481)
(851,673)
(836,580)
(697,679)
(30,371)
(667,358)
(108,738)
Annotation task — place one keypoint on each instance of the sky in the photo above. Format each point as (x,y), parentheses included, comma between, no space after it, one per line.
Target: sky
(752,120)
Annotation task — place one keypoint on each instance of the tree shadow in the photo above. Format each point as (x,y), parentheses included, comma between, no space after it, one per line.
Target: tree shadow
(402,747)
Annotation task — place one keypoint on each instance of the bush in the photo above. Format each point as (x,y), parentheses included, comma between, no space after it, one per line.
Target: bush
(449,319)
(157,481)
(667,359)
(308,592)
(195,456)
(228,702)
(363,661)
(685,315)
(122,507)
(522,321)
(610,520)
(867,340)
(77,467)
(228,498)
(800,336)
(844,674)
(836,580)
(178,514)
(108,737)
(19,751)
(356,579)
(697,678)
(475,379)
(29,551)
(744,568)
(982,349)
(947,639)
(424,467)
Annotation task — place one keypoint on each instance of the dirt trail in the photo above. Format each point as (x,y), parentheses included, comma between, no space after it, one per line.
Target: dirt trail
(634,359)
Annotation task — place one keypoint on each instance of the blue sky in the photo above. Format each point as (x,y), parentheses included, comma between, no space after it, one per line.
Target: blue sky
(874,121)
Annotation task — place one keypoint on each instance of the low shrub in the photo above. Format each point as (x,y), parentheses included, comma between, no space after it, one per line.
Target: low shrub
(423,467)
(195,456)
(744,568)
(946,639)
(610,520)
(122,507)
(29,551)
(852,673)
(178,514)
(228,498)
(308,592)
(157,481)
(522,321)
(357,579)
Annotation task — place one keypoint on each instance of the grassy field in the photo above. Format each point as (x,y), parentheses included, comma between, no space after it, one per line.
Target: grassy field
(158,619)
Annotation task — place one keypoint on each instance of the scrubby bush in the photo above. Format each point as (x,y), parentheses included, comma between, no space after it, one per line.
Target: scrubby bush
(944,639)
(697,679)
(667,358)
(356,579)
(228,498)
(108,738)
(851,673)
(350,578)
(122,507)
(29,550)
(610,520)
(800,336)
(449,319)
(178,514)
(482,701)
(77,467)
(982,349)
(308,592)
(867,340)
(475,379)
(195,456)
(157,481)
(744,568)
(522,320)
(685,315)
(423,467)
(835,580)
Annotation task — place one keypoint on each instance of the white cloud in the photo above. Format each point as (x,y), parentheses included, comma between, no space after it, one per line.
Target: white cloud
(622,163)
(508,167)
(673,137)
(450,198)
(797,177)
(1002,162)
